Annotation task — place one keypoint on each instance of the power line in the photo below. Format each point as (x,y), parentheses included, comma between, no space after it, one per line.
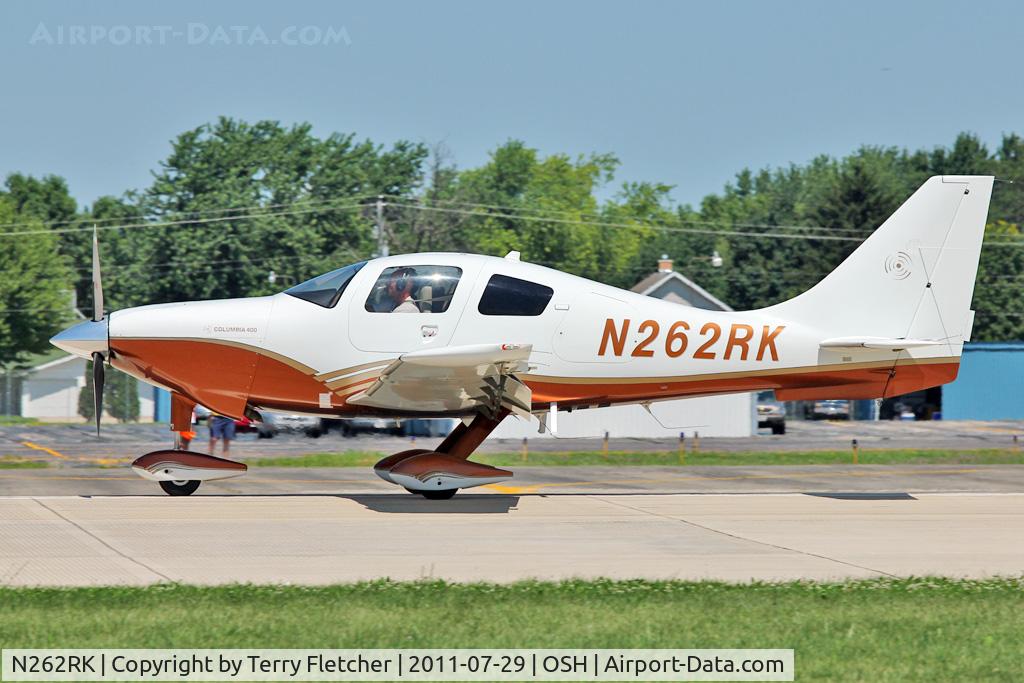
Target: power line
(665,228)
(192,222)
(603,219)
(187,221)
(200,212)
(636,226)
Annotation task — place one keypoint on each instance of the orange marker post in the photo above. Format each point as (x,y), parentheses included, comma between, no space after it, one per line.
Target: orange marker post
(856,448)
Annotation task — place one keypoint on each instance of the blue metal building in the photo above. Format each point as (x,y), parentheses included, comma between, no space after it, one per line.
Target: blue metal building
(988,386)
(161,405)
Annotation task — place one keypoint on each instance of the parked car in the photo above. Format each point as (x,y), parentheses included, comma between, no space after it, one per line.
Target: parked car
(274,423)
(770,412)
(429,427)
(356,425)
(830,410)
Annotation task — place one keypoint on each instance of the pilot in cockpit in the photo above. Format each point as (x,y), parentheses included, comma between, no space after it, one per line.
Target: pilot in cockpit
(399,291)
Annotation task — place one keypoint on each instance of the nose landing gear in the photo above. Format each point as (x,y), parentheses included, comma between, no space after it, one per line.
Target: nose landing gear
(179,473)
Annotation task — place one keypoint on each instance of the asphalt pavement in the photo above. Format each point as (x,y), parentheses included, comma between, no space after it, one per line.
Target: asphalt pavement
(70,444)
(87,520)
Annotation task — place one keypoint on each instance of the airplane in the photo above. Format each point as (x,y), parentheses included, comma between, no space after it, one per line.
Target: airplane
(484,338)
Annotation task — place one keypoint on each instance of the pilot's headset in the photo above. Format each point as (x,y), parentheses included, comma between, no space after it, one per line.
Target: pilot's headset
(403,277)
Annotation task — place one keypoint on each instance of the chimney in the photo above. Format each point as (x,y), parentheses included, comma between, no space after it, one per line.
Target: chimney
(664,264)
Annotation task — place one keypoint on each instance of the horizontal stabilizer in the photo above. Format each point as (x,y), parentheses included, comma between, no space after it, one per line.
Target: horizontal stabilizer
(876,343)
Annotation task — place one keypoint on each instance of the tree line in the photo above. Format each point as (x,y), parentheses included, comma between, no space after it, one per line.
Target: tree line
(243,209)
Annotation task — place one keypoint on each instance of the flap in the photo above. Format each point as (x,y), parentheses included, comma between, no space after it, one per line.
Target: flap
(876,343)
(454,379)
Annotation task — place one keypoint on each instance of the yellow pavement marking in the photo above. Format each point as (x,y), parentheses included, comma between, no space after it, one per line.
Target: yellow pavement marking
(533,488)
(98,460)
(4,475)
(1000,430)
(513,489)
(37,447)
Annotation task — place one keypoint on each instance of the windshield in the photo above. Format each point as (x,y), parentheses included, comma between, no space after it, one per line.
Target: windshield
(325,290)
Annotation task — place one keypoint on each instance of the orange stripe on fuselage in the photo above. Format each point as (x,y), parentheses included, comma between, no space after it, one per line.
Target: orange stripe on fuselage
(225,376)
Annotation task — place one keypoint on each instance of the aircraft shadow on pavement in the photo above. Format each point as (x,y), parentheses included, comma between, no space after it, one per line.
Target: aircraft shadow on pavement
(862,495)
(461,504)
(380,502)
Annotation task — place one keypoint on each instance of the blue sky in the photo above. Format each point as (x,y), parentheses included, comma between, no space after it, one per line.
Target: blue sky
(685,93)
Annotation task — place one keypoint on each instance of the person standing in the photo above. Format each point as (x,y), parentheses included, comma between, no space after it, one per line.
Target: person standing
(223,428)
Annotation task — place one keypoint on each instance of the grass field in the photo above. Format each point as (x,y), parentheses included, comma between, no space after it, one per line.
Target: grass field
(888,630)
(992,456)
(8,462)
(11,420)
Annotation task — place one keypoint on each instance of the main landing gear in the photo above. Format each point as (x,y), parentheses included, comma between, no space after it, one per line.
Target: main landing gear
(446,494)
(185,487)
(439,474)
(435,475)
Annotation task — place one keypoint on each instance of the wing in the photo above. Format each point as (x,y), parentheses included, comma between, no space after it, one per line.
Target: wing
(453,379)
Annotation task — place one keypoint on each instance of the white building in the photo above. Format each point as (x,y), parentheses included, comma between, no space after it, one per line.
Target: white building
(50,389)
(729,415)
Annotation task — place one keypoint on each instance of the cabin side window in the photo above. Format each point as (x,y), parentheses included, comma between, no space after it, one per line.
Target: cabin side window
(414,289)
(506,295)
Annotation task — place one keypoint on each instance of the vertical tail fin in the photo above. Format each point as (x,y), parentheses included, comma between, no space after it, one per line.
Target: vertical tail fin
(913,278)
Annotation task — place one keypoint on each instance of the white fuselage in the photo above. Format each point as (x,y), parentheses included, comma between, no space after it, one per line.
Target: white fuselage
(591,345)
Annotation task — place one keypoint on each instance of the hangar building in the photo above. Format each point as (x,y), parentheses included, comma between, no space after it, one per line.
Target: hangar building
(988,384)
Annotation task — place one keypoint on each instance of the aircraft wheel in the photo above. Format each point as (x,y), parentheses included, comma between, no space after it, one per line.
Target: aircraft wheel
(439,495)
(180,488)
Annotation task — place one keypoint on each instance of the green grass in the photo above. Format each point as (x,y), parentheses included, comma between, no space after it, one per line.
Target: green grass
(9,462)
(342,459)
(12,420)
(992,456)
(877,630)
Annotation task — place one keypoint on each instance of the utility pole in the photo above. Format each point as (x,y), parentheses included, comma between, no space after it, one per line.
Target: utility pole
(382,242)
(8,388)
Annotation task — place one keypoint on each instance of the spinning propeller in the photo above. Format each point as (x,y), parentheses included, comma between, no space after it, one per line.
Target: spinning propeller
(97,316)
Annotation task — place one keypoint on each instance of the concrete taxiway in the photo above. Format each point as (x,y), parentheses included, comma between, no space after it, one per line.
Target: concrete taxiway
(322,526)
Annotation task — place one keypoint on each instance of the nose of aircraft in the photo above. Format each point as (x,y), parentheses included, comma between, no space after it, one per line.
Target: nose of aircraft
(84,339)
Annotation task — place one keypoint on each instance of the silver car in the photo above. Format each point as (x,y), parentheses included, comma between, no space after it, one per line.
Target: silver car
(831,410)
(282,422)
